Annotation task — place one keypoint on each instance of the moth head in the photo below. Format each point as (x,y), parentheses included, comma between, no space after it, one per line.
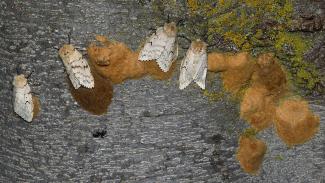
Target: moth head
(20,81)
(198,46)
(170,29)
(65,51)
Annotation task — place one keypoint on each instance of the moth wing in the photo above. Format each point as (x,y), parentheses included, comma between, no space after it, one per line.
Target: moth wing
(175,55)
(168,55)
(186,74)
(23,103)
(72,77)
(201,70)
(154,46)
(81,74)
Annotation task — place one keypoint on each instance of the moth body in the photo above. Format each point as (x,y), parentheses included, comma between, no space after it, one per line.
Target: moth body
(76,67)
(194,65)
(161,46)
(23,99)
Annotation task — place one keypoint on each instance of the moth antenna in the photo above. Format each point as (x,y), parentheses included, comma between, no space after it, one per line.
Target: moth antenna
(211,45)
(29,75)
(185,47)
(84,55)
(152,29)
(35,93)
(18,69)
(215,44)
(56,48)
(69,38)
(183,36)
(180,22)
(82,50)
(36,83)
(205,36)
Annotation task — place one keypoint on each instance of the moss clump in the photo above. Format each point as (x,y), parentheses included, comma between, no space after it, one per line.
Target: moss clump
(214,96)
(193,5)
(259,26)
(248,22)
(249,132)
(291,48)
(279,157)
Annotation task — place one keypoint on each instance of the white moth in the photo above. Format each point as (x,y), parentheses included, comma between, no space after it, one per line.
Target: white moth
(77,67)
(23,99)
(161,46)
(194,65)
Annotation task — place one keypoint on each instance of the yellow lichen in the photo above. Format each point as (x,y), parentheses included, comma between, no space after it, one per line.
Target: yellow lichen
(214,96)
(259,26)
(193,5)
(249,132)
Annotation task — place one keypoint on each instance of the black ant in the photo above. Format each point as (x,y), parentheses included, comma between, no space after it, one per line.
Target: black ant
(99,133)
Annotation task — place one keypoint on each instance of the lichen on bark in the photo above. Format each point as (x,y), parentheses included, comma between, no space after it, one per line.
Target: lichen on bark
(259,26)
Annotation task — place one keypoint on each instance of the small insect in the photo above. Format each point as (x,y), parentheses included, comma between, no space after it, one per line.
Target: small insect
(194,65)
(23,99)
(161,46)
(76,66)
(99,133)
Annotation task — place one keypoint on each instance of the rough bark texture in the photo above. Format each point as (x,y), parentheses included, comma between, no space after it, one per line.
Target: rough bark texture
(155,132)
